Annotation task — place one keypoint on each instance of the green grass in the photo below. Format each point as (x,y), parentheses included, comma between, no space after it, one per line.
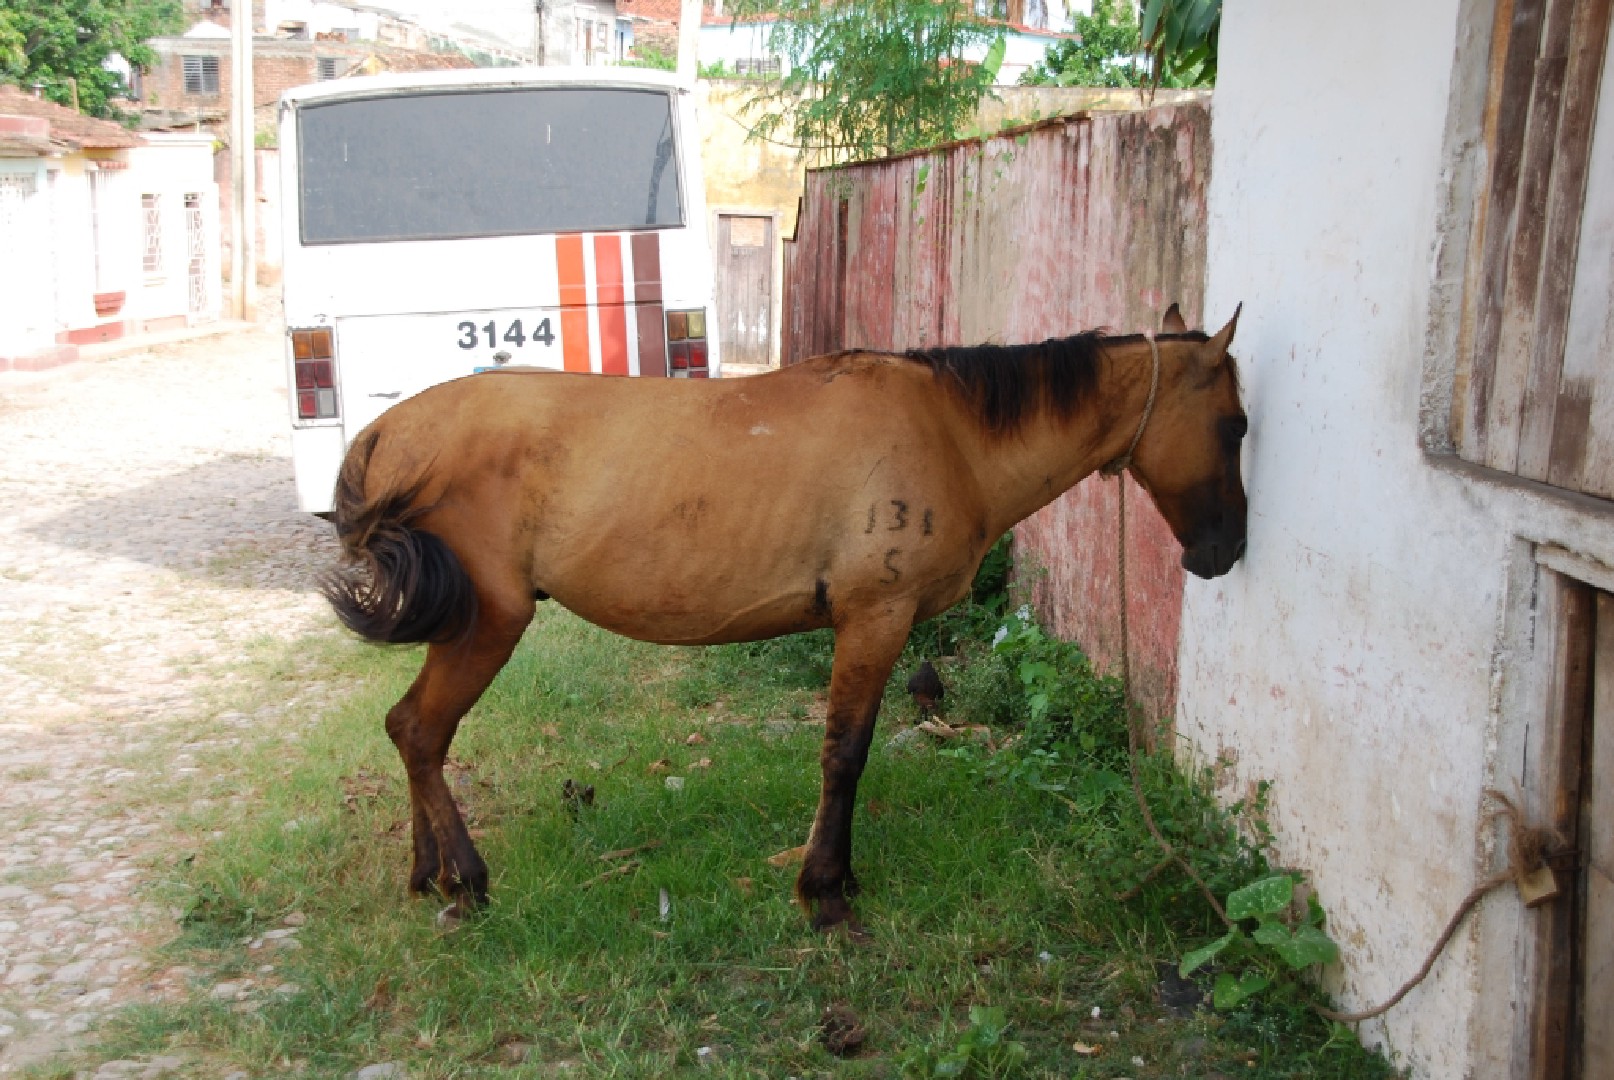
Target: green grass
(984,886)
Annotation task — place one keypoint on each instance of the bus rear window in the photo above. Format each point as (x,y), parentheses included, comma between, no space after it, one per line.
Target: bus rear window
(454,164)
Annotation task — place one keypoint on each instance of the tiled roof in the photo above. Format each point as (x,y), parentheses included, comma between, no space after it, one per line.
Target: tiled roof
(385,58)
(654,10)
(71,130)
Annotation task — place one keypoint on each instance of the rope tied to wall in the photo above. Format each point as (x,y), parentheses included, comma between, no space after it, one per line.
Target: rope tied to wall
(1532,850)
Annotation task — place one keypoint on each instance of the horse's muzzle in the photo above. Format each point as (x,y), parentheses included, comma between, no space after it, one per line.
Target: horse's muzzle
(1213,558)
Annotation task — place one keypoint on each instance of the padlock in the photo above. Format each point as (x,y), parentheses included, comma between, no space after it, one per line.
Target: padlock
(1539,886)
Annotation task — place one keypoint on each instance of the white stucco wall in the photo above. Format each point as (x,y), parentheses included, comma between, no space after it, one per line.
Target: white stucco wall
(25,270)
(1375,655)
(173,167)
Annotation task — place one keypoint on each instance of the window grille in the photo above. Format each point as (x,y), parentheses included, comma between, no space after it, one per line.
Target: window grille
(763,66)
(201,74)
(103,234)
(196,251)
(326,68)
(151,214)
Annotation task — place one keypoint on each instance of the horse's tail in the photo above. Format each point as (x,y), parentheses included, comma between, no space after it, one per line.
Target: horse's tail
(400,583)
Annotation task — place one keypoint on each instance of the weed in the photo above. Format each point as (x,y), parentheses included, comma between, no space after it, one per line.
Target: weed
(981,1051)
(1282,939)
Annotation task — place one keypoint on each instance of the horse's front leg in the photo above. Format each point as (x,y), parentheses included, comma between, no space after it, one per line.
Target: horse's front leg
(866,649)
(422,725)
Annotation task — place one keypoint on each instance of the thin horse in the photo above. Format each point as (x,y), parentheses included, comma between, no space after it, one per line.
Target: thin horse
(857,491)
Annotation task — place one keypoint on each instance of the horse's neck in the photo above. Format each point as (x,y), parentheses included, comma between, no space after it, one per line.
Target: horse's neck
(1050,453)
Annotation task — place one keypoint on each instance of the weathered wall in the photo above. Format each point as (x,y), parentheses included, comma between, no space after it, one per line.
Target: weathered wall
(1382,653)
(1075,223)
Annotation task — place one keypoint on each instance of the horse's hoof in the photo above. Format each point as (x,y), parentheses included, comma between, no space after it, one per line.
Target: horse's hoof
(849,928)
(835,916)
(464,906)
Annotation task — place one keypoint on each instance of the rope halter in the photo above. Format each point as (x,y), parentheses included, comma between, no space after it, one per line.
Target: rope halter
(1124,462)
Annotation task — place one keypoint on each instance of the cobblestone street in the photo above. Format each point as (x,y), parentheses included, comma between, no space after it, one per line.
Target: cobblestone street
(148,533)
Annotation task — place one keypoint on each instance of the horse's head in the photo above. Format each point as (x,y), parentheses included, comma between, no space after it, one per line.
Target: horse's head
(1188,458)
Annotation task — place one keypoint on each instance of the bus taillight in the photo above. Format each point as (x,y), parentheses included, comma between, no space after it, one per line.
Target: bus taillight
(314,365)
(686,343)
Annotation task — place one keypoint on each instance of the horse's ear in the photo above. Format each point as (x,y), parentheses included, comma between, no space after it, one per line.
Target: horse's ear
(1214,351)
(1172,323)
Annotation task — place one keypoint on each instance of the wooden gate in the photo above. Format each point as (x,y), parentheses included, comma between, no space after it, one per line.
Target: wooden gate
(745,288)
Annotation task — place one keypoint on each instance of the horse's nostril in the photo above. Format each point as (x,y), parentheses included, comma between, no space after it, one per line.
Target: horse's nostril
(1238,550)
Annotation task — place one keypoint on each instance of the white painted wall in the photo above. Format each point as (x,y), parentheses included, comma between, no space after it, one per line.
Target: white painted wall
(25,294)
(172,167)
(1374,656)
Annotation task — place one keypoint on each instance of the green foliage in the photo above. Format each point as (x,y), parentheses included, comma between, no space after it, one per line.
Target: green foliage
(648,56)
(62,43)
(981,1051)
(1282,938)
(866,80)
(1073,745)
(1104,53)
(1178,38)
(1182,37)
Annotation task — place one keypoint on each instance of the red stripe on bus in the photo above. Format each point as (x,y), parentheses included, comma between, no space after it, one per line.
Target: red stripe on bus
(608,271)
(573,302)
(647,267)
(569,267)
(652,340)
(652,325)
(611,297)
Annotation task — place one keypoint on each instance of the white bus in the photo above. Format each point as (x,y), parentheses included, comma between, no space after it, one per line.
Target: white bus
(439,224)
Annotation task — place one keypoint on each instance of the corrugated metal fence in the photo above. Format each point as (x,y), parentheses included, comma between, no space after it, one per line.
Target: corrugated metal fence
(1073,223)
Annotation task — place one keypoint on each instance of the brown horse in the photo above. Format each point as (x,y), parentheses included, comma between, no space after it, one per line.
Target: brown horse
(857,491)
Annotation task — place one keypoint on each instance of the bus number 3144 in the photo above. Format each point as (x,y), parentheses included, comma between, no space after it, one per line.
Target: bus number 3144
(513,333)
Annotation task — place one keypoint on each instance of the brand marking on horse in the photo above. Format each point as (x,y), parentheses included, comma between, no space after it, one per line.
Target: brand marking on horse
(901,516)
(928,522)
(891,553)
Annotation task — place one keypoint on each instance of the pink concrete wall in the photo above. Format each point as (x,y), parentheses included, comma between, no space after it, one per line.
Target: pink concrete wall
(1078,222)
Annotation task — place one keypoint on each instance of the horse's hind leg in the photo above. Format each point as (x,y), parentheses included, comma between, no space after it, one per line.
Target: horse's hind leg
(423,724)
(865,652)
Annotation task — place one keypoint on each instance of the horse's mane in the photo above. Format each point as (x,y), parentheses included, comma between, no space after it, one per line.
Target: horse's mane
(1005,383)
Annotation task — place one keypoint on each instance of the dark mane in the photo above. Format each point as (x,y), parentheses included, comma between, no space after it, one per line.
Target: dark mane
(1006,383)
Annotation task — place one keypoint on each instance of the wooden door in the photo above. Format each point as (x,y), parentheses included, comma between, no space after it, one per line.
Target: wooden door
(1596,966)
(745,288)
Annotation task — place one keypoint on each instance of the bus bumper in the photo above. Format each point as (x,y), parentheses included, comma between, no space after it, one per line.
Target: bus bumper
(317,453)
